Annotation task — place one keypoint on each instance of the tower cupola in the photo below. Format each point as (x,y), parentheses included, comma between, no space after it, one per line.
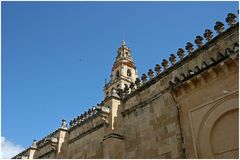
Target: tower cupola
(123,71)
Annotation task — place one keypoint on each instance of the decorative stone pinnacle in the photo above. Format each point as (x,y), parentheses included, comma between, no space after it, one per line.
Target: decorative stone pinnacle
(114,93)
(208,34)
(144,78)
(126,88)
(158,69)
(231,19)
(180,53)
(34,144)
(198,41)
(219,27)
(172,59)
(165,64)
(74,121)
(120,92)
(150,73)
(71,123)
(189,47)
(89,111)
(132,86)
(138,82)
(64,124)
(236,47)
(81,116)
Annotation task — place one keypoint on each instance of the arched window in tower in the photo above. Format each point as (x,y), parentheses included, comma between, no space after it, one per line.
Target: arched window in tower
(129,72)
(126,53)
(117,74)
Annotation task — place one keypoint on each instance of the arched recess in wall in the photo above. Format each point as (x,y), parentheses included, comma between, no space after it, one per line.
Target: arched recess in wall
(229,135)
(212,139)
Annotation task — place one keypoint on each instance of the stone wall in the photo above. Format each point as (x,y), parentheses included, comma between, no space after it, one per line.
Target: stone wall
(88,145)
(152,129)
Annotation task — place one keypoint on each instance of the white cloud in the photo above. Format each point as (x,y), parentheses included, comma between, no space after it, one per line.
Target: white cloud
(9,149)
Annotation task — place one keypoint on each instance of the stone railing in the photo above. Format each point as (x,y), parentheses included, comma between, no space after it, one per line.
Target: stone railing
(164,68)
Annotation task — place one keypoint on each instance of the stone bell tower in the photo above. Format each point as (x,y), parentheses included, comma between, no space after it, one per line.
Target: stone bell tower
(123,71)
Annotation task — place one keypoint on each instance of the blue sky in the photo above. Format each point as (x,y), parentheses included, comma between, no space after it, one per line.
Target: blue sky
(56,55)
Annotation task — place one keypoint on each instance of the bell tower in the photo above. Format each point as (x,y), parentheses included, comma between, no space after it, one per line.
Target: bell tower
(123,71)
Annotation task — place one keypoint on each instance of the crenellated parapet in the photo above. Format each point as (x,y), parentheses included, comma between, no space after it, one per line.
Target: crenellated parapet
(167,66)
(99,112)
(83,118)
(52,137)
(51,140)
(207,64)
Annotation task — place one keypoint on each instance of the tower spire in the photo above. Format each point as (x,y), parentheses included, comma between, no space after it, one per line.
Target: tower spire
(123,70)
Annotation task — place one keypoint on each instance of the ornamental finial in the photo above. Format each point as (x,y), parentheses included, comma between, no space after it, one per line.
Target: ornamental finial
(123,43)
(64,124)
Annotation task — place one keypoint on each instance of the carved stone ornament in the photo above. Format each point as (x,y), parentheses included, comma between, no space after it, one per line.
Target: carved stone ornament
(189,47)
(157,69)
(150,73)
(132,86)
(74,121)
(138,82)
(180,53)
(165,64)
(34,144)
(126,89)
(231,19)
(208,34)
(71,123)
(114,93)
(120,92)
(106,109)
(144,78)
(236,47)
(219,27)
(64,124)
(172,59)
(198,41)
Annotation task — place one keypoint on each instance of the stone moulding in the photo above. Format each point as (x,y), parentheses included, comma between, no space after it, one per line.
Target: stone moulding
(86,133)
(49,152)
(143,104)
(114,135)
(210,67)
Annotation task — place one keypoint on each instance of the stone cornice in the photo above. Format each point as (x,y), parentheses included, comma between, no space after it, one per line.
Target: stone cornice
(114,135)
(86,133)
(49,152)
